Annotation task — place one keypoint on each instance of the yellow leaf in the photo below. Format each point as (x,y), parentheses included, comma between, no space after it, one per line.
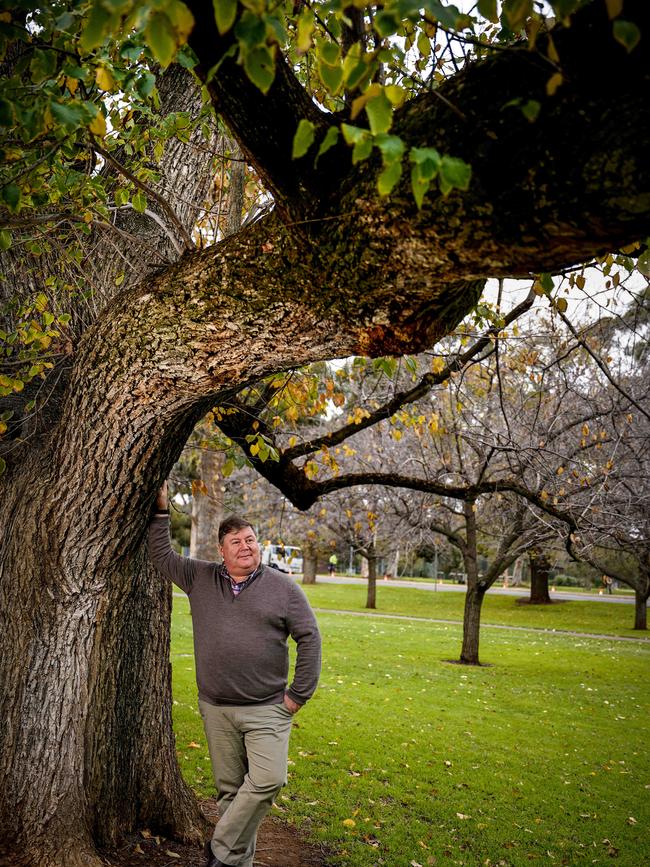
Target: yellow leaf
(194,746)
(614,8)
(72,84)
(97,125)
(104,78)
(553,83)
(553,56)
(349,823)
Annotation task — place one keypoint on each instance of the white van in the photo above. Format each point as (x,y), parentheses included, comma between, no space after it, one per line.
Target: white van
(285,558)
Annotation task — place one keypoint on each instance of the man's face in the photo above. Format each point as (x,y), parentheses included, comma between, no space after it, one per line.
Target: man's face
(240,552)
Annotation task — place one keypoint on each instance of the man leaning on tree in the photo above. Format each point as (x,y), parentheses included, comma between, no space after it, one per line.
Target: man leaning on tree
(242,614)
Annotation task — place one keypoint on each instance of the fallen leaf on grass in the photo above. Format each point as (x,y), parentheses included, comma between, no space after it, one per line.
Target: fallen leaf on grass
(138,849)
(631,820)
(193,746)
(172,854)
(349,823)
(463,816)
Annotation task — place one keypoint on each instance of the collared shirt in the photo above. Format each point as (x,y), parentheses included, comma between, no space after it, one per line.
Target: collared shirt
(234,585)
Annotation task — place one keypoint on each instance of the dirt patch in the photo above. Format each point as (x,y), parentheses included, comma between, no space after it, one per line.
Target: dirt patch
(278,845)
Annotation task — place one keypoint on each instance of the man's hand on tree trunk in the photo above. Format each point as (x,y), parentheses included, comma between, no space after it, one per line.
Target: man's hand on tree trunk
(162,500)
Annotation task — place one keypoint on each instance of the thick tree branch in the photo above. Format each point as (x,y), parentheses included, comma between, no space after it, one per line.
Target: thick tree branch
(426,383)
(264,125)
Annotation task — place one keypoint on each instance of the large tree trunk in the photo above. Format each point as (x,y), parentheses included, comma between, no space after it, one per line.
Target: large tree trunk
(371,596)
(469,653)
(86,745)
(475,591)
(641,596)
(309,563)
(540,568)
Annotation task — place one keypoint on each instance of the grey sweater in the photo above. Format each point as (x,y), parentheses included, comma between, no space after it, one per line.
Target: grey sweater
(240,642)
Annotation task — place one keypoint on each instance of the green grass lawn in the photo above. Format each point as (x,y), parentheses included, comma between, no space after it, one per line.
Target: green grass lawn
(588,616)
(402,758)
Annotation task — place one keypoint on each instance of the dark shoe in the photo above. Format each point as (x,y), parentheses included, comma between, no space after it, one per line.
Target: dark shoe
(212,860)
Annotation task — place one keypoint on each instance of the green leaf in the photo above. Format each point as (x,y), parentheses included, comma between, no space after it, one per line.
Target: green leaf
(303,139)
(488,9)
(362,150)
(5,239)
(161,38)
(186,58)
(329,52)
(643,262)
(627,33)
(531,110)
(419,185)
(331,76)
(250,31)
(42,66)
(139,202)
(353,134)
(391,147)
(97,26)
(516,12)
(380,113)
(454,172)
(145,84)
(225,12)
(388,177)
(355,72)
(546,282)
(7,113)
(427,162)
(259,65)
(70,114)
(11,195)
(386,23)
(331,138)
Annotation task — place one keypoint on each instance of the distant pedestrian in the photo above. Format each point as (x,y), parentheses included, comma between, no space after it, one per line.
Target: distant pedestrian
(607,584)
(332,564)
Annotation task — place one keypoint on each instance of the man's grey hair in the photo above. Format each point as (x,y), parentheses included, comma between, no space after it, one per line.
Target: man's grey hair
(231,525)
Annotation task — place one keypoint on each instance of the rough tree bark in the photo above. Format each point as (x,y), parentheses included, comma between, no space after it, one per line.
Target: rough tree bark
(370,555)
(309,562)
(207,507)
(469,652)
(641,607)
(86,749)
(540,567)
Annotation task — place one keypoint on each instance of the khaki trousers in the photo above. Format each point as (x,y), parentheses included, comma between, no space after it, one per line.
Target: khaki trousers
(248,749)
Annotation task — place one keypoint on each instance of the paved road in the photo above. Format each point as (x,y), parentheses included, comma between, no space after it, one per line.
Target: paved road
(460,588)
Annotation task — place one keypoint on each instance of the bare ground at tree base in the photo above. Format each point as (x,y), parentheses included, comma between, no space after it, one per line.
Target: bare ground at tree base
(278,845)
